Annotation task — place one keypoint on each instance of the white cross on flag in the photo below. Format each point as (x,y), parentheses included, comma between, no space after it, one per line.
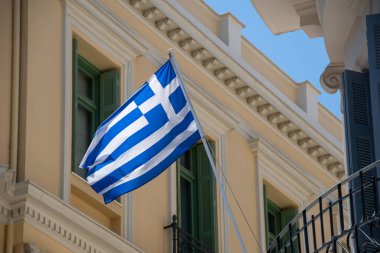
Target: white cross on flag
(143,137)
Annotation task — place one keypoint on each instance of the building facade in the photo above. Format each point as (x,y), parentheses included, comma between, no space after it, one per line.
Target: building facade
(67,64)
(351,32)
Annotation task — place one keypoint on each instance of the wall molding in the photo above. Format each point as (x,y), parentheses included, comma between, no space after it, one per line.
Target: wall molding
(284,175)
(28,203)
(197,44)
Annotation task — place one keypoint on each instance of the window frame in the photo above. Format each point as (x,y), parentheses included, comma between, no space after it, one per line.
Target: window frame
(281,215)
(191,175)
(92,105)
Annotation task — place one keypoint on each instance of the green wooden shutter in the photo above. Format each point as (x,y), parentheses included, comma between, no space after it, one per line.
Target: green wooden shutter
(206,227)
(109,93)
(359,133)
(187,193)
(266,215)
(286,216)
(74,146)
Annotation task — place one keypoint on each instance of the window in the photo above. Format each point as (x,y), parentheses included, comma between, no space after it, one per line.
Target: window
(196,199)
(276,218)
(95,97)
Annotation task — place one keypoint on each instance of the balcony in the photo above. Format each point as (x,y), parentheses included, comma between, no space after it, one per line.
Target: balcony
(184,242)
(344,219)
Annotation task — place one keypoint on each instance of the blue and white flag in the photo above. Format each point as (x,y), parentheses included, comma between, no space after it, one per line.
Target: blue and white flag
(143,137)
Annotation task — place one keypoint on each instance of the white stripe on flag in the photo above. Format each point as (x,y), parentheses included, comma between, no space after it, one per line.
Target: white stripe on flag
(192,128)
(103,130)
(137,149)
(120,138)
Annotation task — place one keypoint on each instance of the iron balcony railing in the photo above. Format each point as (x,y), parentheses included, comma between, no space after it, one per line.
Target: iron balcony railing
(344,219)
(184,242)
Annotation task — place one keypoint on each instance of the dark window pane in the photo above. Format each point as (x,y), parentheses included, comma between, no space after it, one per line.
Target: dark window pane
(85,86)
(83,136)
(185,160)
(186,207)
(272,223)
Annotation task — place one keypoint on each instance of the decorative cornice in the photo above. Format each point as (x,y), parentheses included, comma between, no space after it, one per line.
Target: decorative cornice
(288,172)
(237,84)
(306,8)
(331,78)
(26,202)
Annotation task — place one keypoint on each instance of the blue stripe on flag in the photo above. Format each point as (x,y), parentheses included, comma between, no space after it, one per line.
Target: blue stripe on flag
(111,133)
(144,94)
(177,99)
(151,174)
(127,168)
(165,74)
(156,118)
(123,106)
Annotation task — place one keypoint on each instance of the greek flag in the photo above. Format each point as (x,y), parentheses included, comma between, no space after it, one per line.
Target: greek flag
(143,137)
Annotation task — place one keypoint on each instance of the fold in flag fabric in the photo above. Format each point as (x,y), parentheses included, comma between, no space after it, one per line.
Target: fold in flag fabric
(143,137)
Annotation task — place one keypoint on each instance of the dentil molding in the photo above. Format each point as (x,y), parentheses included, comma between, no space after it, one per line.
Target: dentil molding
(28,203)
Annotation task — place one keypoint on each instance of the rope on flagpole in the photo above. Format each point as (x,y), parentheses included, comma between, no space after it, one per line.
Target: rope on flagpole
(218,180)
(237,202)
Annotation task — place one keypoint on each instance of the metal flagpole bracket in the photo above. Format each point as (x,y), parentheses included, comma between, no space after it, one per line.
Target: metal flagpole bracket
(208,152)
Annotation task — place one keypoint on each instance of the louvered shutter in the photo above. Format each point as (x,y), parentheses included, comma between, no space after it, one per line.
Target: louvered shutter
(373,37)
(373,40)
(206,203)
(109,93)
(359,133)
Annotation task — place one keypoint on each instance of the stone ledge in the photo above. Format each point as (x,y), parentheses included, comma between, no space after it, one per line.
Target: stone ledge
(27,202)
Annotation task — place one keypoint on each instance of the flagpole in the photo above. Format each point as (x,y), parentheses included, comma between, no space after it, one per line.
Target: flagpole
(208,152)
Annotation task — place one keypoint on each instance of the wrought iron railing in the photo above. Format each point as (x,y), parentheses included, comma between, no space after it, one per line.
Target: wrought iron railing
(184,242)
(344,219)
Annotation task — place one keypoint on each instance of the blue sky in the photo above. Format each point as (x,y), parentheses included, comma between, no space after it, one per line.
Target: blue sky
(297,55)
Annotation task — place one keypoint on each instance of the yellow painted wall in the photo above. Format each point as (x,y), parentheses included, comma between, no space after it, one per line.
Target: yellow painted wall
(203,13)
(268,70)
(151,214)
(241,173)
(330,122)
(2,238)
(6,77)
(143,69)
(42,94)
